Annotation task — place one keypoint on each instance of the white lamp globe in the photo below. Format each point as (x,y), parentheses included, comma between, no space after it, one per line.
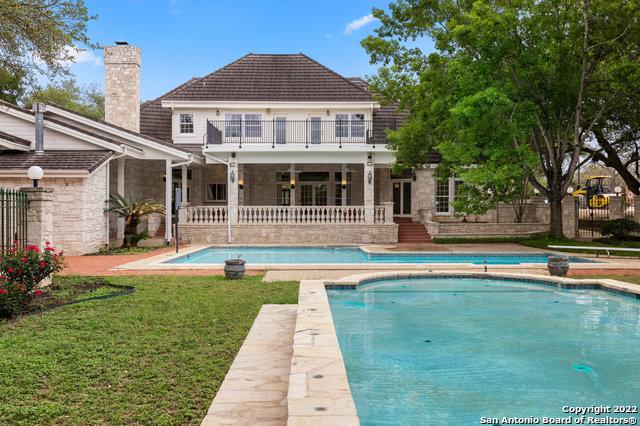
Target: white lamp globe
(35,173)
(536,191)
(570,190)
(617,190)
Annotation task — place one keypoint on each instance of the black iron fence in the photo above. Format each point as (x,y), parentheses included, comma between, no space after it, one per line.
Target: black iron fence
(13,218)
(591,216)
(280,131)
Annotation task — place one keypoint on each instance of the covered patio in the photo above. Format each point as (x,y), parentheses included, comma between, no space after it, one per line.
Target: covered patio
(322,198)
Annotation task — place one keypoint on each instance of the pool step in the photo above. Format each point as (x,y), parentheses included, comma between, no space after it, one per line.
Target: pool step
(411,232)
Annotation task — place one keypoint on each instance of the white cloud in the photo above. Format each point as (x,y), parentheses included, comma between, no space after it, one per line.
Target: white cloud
(358,23)
(78,56)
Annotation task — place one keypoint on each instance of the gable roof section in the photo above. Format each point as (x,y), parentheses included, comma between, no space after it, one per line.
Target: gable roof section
(53,161)
(272,78)
(155,121)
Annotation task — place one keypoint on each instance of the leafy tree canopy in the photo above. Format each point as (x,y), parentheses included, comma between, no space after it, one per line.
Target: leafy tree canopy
(11,86)
(87,100)
(41,36)
(514,90)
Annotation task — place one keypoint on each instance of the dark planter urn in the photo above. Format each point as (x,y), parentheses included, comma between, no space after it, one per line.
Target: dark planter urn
(558,266)
(234,269)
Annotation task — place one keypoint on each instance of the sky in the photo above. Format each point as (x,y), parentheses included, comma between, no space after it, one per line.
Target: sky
(180,39)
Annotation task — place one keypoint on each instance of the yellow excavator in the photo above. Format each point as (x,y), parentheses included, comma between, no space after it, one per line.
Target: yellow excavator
(595,191)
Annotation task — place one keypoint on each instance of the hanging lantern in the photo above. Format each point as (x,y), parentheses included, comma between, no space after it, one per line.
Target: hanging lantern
(343,184)
(241,183)
(293,183)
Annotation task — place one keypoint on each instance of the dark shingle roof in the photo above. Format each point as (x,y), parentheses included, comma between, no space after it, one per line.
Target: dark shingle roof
(275,78)
(155,121)
(54,160)
(14,139)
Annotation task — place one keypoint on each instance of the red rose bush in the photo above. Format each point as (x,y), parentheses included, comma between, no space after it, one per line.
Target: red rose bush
(21,270)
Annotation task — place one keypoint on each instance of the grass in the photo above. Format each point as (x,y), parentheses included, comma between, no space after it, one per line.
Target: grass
(542,242)
(112,251)
(155,356)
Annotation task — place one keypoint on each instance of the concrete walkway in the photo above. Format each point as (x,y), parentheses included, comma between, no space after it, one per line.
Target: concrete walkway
(254,391)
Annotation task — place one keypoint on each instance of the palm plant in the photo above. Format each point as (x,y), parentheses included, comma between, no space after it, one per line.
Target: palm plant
(132,211)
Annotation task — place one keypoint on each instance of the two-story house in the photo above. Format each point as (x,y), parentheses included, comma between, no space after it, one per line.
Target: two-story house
(270,149)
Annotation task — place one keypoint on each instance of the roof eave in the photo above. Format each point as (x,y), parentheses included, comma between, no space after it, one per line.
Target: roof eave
(169,103)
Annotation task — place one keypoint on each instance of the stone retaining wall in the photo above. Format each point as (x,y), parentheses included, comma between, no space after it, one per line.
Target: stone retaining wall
(479,229)
(291,234)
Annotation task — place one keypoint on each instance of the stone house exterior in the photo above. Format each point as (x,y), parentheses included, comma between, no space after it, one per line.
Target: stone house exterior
(270,149)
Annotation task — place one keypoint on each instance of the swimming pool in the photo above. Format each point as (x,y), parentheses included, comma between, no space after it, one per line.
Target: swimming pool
(352,255)
(453,350)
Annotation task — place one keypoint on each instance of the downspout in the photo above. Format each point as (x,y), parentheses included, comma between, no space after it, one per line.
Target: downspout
(108,173)
(226,163)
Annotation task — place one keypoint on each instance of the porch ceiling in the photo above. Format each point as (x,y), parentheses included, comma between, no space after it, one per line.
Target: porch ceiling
(312,156)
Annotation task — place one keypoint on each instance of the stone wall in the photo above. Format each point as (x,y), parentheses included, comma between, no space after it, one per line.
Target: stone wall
(483,229)
(79,222)
(122,86)
(292,234)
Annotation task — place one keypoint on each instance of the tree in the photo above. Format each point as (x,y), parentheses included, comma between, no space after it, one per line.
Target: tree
(11,86)
(132,211)
(87,100)
(514,90)
(41,36)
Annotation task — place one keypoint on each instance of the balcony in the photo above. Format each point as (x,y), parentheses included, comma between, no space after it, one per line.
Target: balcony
(278,132)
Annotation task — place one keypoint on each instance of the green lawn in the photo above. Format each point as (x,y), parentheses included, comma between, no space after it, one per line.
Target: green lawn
(542,242)
(157,355)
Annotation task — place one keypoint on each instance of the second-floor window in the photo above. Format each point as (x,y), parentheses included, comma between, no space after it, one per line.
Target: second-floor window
(349,125)
(233,125)
(186,123)
(253,125)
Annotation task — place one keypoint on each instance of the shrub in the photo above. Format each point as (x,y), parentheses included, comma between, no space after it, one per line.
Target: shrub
(619,228)
(21,269)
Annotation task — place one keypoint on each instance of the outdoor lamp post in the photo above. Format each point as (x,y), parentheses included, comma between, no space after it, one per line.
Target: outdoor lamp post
(35,173)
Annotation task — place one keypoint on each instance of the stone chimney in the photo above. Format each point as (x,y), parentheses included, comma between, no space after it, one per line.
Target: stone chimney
(122,85)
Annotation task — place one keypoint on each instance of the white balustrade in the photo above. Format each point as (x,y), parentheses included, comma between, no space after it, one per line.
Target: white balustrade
(284,215)
(300,214)
(204,215)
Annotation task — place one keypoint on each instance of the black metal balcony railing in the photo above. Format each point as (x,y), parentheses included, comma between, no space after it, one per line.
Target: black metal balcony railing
(281,132)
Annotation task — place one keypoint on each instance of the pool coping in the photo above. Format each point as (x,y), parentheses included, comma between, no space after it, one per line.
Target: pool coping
(316,350)
(159,262)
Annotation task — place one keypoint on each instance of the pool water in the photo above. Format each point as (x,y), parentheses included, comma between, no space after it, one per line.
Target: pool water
(349,255)
(451,350)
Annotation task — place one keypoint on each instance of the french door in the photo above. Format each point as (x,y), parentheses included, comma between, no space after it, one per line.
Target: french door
(401,193)
(281,130)
(315,128)
(313,194)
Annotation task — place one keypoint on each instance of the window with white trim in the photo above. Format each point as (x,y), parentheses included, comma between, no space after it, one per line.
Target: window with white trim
(186,123)
(446,194)
(342,125)
(253,125)
(232,125)
(357,125)
(216,192)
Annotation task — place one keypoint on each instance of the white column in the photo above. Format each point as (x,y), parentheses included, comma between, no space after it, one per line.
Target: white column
(343,176)
(232,192)
(120,191)
(292,167)
(369,181)
(107,171)
(167,200)
(183,185)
